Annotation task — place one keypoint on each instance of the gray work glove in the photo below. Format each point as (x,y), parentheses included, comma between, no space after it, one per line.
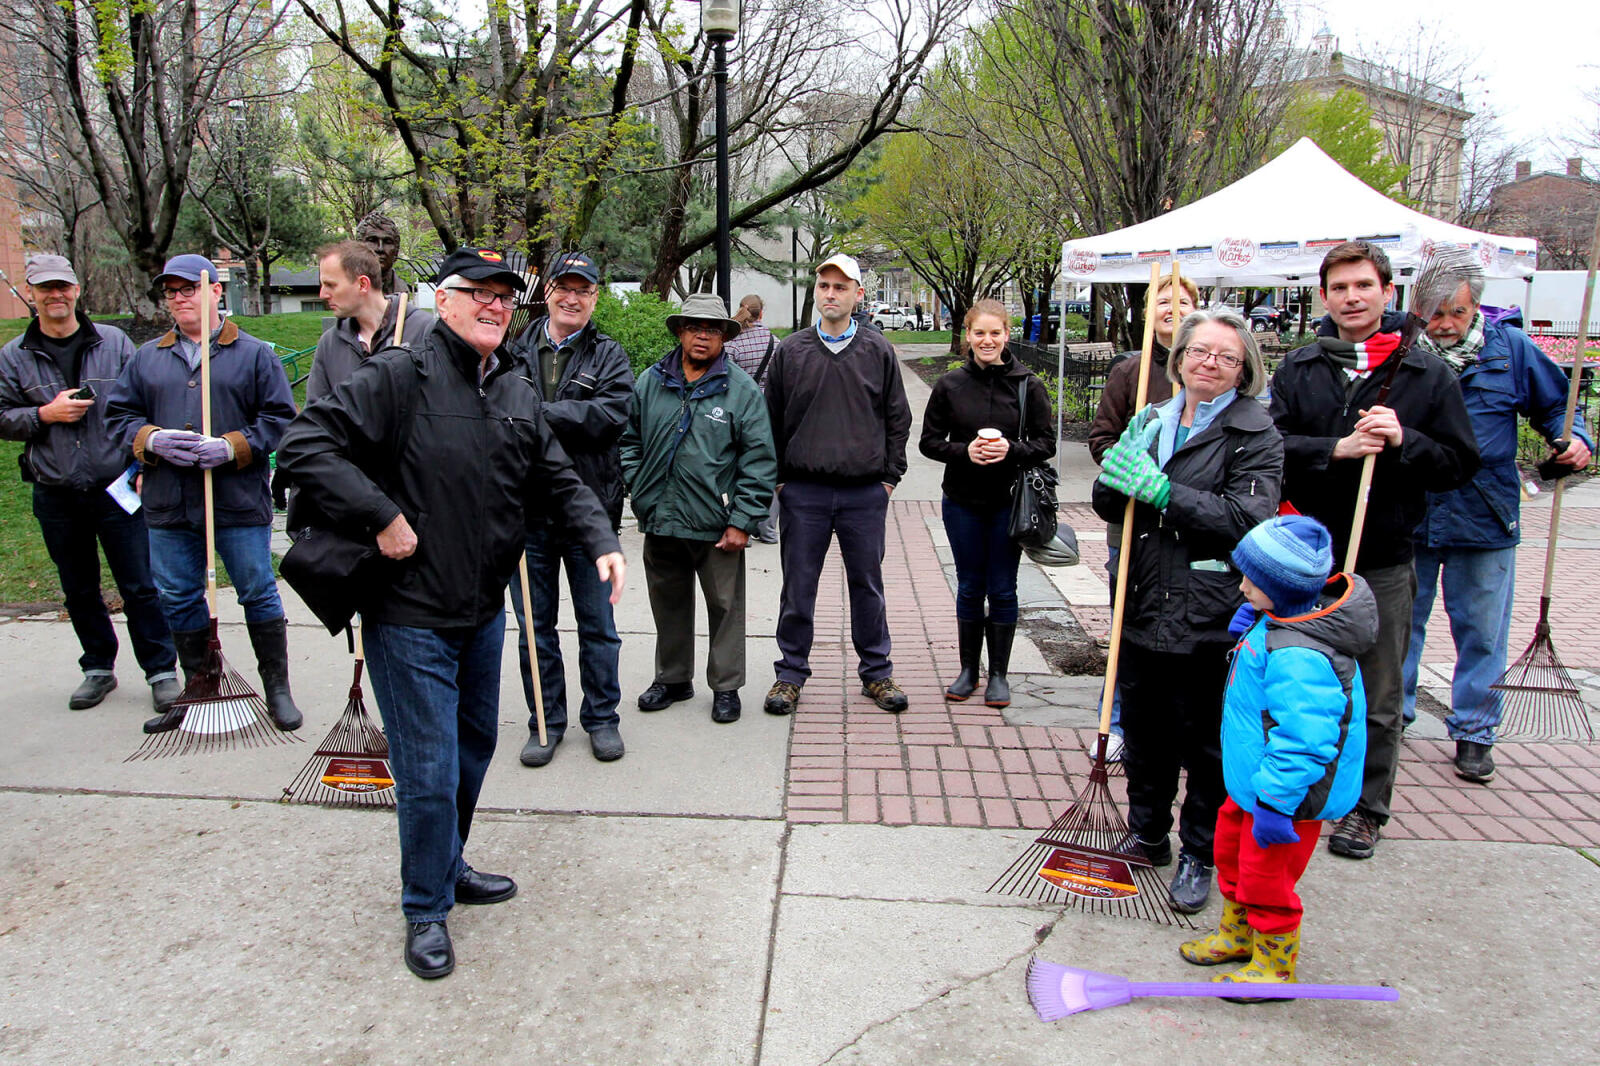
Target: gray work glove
(211,452)
(173,445)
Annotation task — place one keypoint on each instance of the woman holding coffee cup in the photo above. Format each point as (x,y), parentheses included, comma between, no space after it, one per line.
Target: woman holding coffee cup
(971,425)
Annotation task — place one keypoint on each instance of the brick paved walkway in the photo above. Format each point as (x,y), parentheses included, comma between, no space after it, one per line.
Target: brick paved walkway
(945,763)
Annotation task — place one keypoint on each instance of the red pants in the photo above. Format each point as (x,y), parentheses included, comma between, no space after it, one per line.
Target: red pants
(1262,879)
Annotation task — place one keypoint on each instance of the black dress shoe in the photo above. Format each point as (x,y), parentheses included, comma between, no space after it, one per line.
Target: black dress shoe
(537,754)
(1191,885)
(429,953)
(473,887)
(725,706)
(93,689)
(663,694)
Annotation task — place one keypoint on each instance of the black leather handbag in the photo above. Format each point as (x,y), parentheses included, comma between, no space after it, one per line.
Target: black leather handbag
(1033,497)
(331,572)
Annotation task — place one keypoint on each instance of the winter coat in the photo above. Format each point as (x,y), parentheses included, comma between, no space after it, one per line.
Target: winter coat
(1294,718)
(251,404)
(80,455)
(589,409)
(1314,403)
(973,397)
(414,432)
(697,457)
(838,418)
(1182,586)
(340,351)
(1116,404)
(1511,377)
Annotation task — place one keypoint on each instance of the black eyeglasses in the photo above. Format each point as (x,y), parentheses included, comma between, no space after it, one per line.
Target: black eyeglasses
(568,290)
(174,292)
(703,329)
(487,297)
(1200,355)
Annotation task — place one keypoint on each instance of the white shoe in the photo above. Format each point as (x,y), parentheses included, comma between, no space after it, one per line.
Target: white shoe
(1114,746)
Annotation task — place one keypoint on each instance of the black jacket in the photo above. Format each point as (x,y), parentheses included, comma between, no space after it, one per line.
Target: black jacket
(590,408)
(413,432)
(1182,587)
(1314,404)
(340,351)
(974,397)
(838,419)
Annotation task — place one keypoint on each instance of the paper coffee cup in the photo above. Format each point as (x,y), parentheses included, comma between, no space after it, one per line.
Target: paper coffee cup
(989,434)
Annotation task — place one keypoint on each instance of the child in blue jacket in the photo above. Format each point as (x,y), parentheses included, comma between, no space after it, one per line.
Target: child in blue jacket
(1293,739)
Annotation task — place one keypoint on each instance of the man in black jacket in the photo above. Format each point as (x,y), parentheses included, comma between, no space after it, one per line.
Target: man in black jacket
(433,449)
(586,384)
(840,421)
(55,380)
(1324,401)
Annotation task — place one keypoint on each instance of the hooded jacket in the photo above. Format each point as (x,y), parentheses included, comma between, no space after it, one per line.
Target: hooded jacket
(1294,732)
(973,397)
(697,456)
(80,455)
(1314,403)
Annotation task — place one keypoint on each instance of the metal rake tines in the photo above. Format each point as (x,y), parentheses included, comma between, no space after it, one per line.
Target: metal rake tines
(1539,700)
(350,768)
(221,712)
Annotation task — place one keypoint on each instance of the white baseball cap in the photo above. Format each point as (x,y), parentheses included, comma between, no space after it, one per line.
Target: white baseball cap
(845,265)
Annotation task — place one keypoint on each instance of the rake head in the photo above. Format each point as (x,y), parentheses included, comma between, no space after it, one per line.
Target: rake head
(351,766)
(220,712)
(1539,700)
(1088,859)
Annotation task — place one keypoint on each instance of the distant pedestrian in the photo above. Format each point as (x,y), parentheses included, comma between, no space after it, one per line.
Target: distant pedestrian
(55,382)
(698,459)
(840,423)
(972,424)
(751,350)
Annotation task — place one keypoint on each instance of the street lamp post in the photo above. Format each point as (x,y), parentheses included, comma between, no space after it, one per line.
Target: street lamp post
(719,19)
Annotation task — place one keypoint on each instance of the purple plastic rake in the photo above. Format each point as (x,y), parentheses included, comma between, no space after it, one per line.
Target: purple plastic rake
(1057,991)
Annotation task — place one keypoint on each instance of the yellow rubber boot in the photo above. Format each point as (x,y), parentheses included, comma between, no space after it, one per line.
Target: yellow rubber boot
(1231,942)
(1272,961)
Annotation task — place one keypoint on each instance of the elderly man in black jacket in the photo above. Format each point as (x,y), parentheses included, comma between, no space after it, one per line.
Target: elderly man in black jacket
(586,384)
(1324,401)
(433,449)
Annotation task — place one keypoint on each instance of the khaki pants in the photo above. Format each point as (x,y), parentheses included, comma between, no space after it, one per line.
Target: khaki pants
(671,565)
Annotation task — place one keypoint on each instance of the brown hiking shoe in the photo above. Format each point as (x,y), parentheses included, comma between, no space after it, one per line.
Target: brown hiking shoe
(782,698)
(886,694)
(1355,836)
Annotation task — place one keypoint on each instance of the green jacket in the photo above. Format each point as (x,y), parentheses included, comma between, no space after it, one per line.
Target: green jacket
(698,457)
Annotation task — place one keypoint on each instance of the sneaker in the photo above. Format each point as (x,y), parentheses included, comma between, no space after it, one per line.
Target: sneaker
(1355,836)
(1473,761)
(782,698)
(725,706)
(663,694)
(886,694)
(1159,853)
(93,689)
(1114,746)
(1191,885)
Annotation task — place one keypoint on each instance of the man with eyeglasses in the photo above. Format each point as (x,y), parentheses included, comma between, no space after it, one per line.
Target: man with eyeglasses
(55,379)
(155,412)
(585,381)
(1324,401)
(437,450)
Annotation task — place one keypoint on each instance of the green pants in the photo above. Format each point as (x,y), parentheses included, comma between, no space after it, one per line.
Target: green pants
(671,565)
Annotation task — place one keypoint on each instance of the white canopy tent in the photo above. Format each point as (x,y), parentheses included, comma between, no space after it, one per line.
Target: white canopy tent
(1273,226)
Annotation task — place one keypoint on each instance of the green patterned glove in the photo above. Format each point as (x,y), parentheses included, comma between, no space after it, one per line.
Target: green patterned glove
(1146,484)
(1135,441)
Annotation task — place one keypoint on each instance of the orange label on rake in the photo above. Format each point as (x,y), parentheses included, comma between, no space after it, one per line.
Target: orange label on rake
(358,775)
(1093,876)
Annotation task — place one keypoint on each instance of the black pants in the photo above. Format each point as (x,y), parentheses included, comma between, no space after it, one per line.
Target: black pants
(1172,719)
(72,521)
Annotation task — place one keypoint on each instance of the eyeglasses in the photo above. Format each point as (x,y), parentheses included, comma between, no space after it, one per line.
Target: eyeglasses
(486,297)
(1200,355)
(567,290)
(174,292)
(703,329)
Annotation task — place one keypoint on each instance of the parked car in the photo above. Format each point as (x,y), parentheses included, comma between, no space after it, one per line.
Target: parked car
(1266,316)
(894,318)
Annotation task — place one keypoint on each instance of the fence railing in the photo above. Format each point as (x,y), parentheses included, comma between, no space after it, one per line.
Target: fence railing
(1083,375)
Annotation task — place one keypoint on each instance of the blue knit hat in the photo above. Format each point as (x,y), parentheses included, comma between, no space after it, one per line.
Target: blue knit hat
(1288,558)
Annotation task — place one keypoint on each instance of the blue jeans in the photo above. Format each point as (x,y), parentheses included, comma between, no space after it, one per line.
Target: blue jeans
(438,691)
(72,521)
(986,562)
(599,647)
(1478,583)
(178,563)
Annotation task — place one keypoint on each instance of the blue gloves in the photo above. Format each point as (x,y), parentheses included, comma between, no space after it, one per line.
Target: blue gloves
(173,445)
(1129,468)
(1271,827)
(1243,619)
(209,452)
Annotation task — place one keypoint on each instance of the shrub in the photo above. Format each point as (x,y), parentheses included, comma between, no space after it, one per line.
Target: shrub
(638,322)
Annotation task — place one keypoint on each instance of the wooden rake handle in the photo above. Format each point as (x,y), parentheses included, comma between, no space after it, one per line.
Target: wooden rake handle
(533,647)
(204,295)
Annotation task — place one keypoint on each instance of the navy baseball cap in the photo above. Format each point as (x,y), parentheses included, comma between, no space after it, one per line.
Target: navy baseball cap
(188,268)
(479,264)
(575,263)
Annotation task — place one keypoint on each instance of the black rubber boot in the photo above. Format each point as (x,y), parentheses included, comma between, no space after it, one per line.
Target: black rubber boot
(970,636)
(193,648)
(270,639)
(998,691)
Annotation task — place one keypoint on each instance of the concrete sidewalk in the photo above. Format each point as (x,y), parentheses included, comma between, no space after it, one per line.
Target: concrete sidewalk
(777,891)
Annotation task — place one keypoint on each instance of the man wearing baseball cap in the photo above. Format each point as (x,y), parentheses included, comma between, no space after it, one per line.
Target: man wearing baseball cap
(437,450)
(840,422)
(54,382)
(155,412)
(586,383)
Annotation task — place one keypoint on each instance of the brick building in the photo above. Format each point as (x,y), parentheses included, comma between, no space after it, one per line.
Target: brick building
(1558,209)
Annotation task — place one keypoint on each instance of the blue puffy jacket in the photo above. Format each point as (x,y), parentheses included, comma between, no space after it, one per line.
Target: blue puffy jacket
(1511,377)
(1294,733)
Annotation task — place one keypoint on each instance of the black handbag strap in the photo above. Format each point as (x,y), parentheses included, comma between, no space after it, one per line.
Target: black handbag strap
(1022,408)
(761,371)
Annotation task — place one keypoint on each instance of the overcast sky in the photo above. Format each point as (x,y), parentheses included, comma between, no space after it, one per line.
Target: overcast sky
(1536,58)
